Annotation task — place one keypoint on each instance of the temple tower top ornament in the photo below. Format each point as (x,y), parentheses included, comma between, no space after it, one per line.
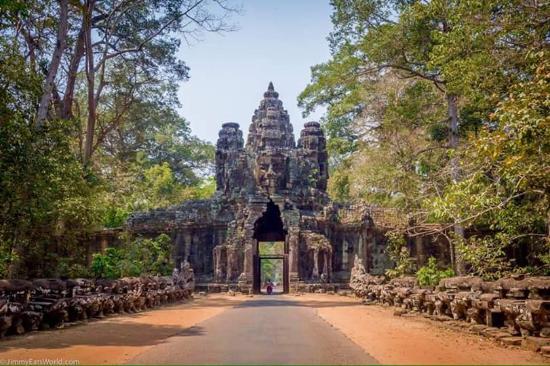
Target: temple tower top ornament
(270,128)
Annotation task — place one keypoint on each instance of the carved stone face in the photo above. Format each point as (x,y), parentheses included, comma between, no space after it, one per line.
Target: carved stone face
(272,114)
(270,171)
(230,137)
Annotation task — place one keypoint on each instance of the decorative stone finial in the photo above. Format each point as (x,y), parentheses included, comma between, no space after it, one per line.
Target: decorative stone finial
(271,93)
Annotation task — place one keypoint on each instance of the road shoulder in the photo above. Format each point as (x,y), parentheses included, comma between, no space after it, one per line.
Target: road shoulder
(396,340)
(117,339)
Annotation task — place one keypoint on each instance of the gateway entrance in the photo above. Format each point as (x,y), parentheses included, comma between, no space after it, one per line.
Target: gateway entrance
(271,252)
(272,266)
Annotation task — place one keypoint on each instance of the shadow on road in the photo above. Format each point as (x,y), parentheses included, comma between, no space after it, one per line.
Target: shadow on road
(102,334)
(267,300)
(139,330)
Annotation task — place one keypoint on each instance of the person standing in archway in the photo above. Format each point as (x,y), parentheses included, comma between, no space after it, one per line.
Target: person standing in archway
(269,286)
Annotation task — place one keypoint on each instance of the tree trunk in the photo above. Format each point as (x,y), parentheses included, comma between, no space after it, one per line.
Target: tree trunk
(455,174)
(54,64)
(66,111)
(90,75)
(453,134)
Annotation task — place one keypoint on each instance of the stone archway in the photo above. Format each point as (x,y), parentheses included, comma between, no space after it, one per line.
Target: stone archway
(270,235)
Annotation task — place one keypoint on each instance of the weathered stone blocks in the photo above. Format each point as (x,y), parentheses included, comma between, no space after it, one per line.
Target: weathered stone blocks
(504,309)
(51,303)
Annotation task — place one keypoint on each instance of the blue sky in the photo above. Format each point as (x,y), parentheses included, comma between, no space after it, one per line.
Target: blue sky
(277,40)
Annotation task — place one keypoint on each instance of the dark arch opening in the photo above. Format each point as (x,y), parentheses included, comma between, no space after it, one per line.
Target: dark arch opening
(269,227)
(270,259)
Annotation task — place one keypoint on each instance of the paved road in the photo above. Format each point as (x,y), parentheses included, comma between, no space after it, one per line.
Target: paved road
(262,330)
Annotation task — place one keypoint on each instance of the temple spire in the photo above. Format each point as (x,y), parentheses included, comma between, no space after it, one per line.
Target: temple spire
(271,93)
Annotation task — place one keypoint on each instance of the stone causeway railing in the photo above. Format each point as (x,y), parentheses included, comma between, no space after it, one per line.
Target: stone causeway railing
(513,310)
(53,303)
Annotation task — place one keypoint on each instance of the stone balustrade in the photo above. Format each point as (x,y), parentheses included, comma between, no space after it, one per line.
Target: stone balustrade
(52,303)
(515,310)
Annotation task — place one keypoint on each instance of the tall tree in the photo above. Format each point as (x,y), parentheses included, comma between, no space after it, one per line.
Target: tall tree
(110,43)
(92,79)
(473,52)
(60,45)
(372,39)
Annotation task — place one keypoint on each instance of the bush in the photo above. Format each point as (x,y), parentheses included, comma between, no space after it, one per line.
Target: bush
(137,257)
(69,267)
(148,256)
(398,253)
(430,274)
(106,265)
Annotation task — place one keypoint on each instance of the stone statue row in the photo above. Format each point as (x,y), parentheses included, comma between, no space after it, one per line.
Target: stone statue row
(519,305)
(51,303)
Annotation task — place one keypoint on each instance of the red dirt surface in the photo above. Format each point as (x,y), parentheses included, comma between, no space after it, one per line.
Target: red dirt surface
(405,340)
(114,340)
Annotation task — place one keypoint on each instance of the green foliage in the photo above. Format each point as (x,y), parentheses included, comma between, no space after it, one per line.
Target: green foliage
(153,161)
(339,184)
(153,135)
(106,265)
(144,155)
(148,188)
(386,87)
(505,185)
(203,190)
(7,257)
(430,274)
(67,267)
(335,86)
(397,252)
(272,270)
(485,256)
(140,256)
(115,216)
(45,197)
(271,248)
(404,264)
(155,255)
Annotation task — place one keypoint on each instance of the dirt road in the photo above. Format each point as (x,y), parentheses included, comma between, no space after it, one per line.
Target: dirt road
(278,329)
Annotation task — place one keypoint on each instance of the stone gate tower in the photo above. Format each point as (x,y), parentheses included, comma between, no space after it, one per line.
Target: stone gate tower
(270,190)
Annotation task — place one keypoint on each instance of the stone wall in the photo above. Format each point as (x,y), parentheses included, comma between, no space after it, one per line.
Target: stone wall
(515,310)
(51,303)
